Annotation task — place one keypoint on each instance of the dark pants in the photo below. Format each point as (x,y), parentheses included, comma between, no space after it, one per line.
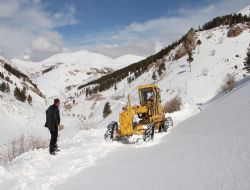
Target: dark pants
(53,140)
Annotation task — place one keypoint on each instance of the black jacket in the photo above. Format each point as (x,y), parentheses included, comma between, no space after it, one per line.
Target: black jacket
(52,117)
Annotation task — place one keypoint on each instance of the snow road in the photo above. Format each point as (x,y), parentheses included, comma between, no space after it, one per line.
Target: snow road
(39,170)
(208,151)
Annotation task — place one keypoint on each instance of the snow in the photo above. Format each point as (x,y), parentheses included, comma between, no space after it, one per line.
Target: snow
(71,69)
(208,151)
(125,60)
(38,170)
(196,154)
(245,11)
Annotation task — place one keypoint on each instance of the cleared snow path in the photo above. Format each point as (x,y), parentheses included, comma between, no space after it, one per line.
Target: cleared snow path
(38,170)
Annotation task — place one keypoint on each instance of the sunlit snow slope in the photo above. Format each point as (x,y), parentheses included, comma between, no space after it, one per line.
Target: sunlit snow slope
(208,151)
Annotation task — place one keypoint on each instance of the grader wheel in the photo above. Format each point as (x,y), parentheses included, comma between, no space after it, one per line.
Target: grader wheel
(168,123)
(149,133)
(112,132)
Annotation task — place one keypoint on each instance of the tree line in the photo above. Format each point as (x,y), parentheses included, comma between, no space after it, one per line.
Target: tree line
(230,20)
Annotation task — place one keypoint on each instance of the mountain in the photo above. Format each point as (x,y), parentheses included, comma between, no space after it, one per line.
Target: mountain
(61,72)
(125,60)
(16,116)
(206,149)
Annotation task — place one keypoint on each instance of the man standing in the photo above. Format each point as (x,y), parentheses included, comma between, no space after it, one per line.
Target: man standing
(52,123)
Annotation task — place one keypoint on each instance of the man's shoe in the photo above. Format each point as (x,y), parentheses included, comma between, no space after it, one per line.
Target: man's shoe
(53,153)
(57,149)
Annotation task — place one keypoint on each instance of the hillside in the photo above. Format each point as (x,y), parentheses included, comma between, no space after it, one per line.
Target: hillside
(212,61)
(207,151)
(59,73)
(16,116)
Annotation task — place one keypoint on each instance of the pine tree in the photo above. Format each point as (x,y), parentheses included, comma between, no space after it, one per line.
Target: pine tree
(7,88)
(17,93)
(247,61)
(198,44)
(1,75)
(190,59)
(29,99)
(115,87)
(87,92)
(106,110)
(3,87)
(154,77)
(129,79)
(23,95)
(161,69)
(20,94)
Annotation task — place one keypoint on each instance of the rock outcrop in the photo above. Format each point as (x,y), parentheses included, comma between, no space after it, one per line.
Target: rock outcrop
(188,45)
(235,31)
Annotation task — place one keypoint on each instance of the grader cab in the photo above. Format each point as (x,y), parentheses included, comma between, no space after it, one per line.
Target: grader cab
(144,119)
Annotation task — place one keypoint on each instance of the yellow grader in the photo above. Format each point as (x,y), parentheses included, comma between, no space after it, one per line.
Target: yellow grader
(144,119)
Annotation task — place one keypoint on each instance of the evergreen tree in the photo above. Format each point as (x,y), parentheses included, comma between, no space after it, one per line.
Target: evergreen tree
(3,87)
(129,79)
(23,95)
(247,61)
(198,44)
(161,69)
(87,92)
(20,94)
(7,88)
(115,87)
(17,92)
(154,77)
(106,110)
(1,75)
(190,59)
(29,99)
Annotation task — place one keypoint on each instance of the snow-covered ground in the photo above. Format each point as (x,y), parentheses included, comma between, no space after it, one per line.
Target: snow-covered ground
(208,151)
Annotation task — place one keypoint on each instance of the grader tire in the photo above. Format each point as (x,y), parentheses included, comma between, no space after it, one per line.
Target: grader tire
(168,123)
(149,133)
(111,133)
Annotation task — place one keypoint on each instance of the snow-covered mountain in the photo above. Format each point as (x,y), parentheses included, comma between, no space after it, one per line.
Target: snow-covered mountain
(216,56)
(18,117)
(61,72)
(207,151)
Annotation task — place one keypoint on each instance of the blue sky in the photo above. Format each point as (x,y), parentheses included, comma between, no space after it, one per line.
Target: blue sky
(40,28)
(98,15)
